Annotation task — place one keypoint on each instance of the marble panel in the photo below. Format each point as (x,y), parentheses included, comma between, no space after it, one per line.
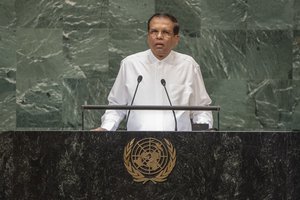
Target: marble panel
(7,13)
(269,54)
(122,43)
(85,14)
(133,14)
(296,8)
(8,48)
(40,69)
(57,45)
(7,99)
(77,92)
(296,105)
(296,55)
(270,15)
(39,13)
(220,53)
(39,106)
(85,52)
(273,101)
(187,12)
(237,108)
(7,78)
(39,56)
(224,15)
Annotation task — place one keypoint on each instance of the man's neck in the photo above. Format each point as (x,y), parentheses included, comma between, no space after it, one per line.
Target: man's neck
(161,57)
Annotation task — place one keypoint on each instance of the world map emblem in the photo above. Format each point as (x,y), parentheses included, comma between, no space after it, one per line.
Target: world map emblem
(149,159)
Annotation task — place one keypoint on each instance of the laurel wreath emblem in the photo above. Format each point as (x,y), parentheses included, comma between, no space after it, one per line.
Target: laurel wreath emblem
(140,177)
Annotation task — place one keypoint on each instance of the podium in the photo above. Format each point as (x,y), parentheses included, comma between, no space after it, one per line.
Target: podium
(90,165)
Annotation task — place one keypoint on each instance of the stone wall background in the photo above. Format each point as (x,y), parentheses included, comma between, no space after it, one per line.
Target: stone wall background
(56,55)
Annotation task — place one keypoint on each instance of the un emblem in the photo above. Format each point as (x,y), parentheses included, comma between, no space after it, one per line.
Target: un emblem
(149,159)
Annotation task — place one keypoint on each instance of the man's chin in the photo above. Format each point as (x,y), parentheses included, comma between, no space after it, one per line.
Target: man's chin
(160,55)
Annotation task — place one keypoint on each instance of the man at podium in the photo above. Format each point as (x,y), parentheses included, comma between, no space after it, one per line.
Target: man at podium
(158,76)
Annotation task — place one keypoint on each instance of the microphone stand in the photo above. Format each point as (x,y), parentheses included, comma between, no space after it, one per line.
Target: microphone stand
(163,82)
(139,79)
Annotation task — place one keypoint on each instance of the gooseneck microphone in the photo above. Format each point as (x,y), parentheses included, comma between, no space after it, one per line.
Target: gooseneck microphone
(139,79)
(163,82)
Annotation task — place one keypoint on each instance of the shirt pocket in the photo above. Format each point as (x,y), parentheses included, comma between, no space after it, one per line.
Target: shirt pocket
(180,94)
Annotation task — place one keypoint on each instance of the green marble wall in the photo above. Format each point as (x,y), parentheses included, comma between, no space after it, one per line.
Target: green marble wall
(57,55)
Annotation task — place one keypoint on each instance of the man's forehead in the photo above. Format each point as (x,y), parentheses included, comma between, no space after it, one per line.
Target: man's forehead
(161,18)
(165,20)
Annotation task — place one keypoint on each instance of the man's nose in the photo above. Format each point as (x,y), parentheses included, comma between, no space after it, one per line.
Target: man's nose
(159,35)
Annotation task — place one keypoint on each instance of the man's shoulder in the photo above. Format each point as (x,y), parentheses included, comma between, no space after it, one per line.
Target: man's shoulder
(181,57)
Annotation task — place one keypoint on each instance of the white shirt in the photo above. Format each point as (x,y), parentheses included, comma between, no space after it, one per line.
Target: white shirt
(184,83)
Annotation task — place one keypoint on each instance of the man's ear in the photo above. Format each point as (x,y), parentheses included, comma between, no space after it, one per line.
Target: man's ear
(177,38)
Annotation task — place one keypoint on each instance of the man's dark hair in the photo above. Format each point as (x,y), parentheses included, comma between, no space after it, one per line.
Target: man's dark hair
(166,15)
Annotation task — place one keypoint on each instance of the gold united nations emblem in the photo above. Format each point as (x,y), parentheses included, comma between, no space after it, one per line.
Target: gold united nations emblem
(149,159)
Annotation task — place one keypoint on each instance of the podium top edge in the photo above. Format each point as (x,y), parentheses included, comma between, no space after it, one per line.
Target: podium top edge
(149,107)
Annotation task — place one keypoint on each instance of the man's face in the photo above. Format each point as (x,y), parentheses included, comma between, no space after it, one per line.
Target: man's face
(161,39)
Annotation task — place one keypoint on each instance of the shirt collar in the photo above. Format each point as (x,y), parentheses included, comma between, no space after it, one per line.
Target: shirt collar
(167,59)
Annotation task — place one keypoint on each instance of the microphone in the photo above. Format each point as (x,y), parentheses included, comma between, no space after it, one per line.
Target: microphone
(163,82)
(139,79)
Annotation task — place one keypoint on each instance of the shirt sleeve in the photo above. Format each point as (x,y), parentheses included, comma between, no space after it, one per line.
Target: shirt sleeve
(200,98)
(117,96)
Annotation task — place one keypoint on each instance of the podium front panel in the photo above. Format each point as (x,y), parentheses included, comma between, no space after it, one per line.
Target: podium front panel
(195,165)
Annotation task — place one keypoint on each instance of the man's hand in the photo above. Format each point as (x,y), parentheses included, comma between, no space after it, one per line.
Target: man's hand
(99,129)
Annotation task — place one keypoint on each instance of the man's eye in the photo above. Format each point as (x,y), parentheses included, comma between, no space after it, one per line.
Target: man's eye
(166,33)
(163,33)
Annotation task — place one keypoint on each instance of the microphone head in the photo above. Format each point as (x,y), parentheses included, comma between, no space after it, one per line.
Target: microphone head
(140,78)
(163,82)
